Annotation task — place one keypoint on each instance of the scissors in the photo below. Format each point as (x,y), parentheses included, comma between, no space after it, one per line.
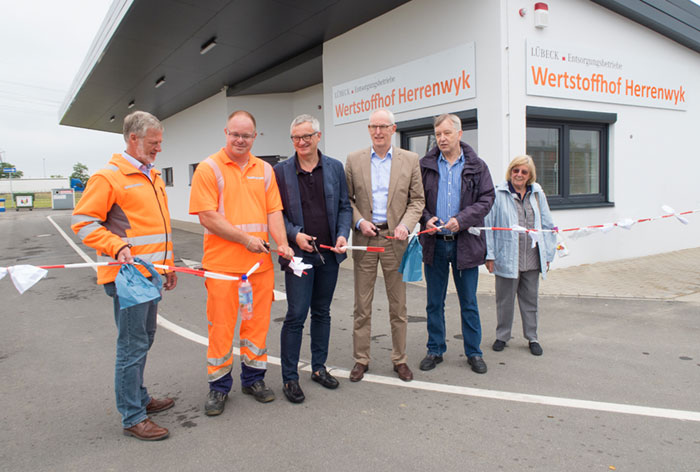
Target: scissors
(313,244)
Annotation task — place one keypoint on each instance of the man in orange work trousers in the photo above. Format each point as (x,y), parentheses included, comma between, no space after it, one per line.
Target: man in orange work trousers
(236,197)
(124,214)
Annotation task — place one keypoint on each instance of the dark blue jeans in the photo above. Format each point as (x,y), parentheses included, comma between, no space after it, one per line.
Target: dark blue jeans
(315,292)
(136,329)
(436,278)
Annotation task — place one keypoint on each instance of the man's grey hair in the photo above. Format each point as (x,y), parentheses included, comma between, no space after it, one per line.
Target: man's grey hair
(315,125)
(456,122)
(388,113)
(139,122)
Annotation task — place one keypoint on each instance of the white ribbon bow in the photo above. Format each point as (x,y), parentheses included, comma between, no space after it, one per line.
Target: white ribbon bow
(25,276)
(298,267)
(670,210)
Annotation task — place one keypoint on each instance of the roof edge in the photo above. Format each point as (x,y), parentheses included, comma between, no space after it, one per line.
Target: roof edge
(115,14)
(678,20)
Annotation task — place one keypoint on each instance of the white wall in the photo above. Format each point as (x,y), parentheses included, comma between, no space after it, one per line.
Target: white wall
(653,155)
(189,137)
(275,112)
(310,101)
(197,132)
(652,159)
(33,185)
(412,31)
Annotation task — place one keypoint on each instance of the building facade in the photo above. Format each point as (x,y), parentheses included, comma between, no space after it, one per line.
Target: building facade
(607,106)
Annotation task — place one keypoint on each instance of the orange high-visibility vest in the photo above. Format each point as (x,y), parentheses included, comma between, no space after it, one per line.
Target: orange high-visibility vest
(244,197)
(121,206)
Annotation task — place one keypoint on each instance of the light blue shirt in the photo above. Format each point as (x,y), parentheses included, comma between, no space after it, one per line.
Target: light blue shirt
(144,168)
(381,171)
(449,189)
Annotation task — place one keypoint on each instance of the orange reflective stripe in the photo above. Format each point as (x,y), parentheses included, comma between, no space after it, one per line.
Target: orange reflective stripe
(120,205)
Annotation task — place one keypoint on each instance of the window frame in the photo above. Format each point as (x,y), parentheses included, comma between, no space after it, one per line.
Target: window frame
(192,170)
(424,126)
(565,121)
(167,173)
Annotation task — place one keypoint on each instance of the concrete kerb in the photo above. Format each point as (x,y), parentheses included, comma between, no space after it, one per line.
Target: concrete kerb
(673,276)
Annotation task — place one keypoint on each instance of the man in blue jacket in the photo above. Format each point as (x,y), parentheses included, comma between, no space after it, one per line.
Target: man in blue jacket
(458,195)
(316,211)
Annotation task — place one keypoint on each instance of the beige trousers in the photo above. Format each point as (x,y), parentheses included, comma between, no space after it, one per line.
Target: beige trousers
(365,269)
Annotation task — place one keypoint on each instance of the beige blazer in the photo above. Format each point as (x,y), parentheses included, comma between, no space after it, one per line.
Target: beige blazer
(406,200)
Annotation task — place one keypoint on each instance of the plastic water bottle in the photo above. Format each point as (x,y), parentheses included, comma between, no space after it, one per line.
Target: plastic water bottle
(245,299)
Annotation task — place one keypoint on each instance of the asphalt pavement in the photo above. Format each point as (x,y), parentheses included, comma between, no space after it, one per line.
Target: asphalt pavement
(616,388)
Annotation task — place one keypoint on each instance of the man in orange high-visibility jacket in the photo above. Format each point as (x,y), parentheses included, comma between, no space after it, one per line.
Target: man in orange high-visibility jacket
(124,214)
(236,197)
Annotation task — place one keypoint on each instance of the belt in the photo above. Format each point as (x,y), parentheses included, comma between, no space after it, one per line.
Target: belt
(447,237)
(384,225)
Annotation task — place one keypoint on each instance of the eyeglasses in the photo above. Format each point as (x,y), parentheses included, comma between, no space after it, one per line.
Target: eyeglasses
(520,171)
(379,127)
(304,137)
(236,136)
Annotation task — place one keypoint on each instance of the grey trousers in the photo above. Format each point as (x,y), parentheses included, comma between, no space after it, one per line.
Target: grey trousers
(526,287)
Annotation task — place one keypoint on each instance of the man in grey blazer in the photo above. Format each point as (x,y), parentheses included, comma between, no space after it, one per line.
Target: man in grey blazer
(386,194)
(316,211)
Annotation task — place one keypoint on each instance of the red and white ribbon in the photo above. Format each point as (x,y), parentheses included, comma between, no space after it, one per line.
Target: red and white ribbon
(26,276)
(586,230)
(357,248)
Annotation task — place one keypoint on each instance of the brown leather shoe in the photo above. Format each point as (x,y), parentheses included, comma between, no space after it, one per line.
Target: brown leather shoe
(147,430)
(358,371)
(154,406)
(404,372)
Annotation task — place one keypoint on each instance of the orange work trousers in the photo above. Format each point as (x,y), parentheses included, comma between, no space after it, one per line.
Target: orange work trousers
(222,313)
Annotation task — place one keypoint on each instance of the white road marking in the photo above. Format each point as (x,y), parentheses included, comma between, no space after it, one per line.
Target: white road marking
(75,247)
(638,410)
(191,264)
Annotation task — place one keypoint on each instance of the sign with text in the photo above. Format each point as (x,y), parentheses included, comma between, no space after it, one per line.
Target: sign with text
(445,77)
(9,170)
(573,72)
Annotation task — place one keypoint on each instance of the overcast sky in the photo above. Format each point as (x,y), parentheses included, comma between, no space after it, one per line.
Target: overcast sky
(42,46)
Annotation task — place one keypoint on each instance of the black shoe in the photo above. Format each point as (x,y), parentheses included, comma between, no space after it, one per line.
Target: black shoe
(215,403)
(325,378)
(430,361)
(478,364)
(535,348)
(498,345)
(293,392)
(260,391)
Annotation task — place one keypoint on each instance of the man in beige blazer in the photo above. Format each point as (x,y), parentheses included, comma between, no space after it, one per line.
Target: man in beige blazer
(386,194)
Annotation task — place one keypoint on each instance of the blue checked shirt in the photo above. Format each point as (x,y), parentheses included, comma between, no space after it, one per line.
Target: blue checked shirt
(449,189)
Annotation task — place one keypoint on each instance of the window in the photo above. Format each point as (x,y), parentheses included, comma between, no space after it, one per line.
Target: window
(168,176)
(419,136)
(570,150)
(193,167)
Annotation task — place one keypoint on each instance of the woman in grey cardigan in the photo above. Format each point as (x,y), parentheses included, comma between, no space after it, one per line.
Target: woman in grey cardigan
(511,256)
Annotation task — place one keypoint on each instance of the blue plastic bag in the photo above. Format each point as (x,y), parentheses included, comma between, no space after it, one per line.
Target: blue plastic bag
(133,288)
(412,261)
